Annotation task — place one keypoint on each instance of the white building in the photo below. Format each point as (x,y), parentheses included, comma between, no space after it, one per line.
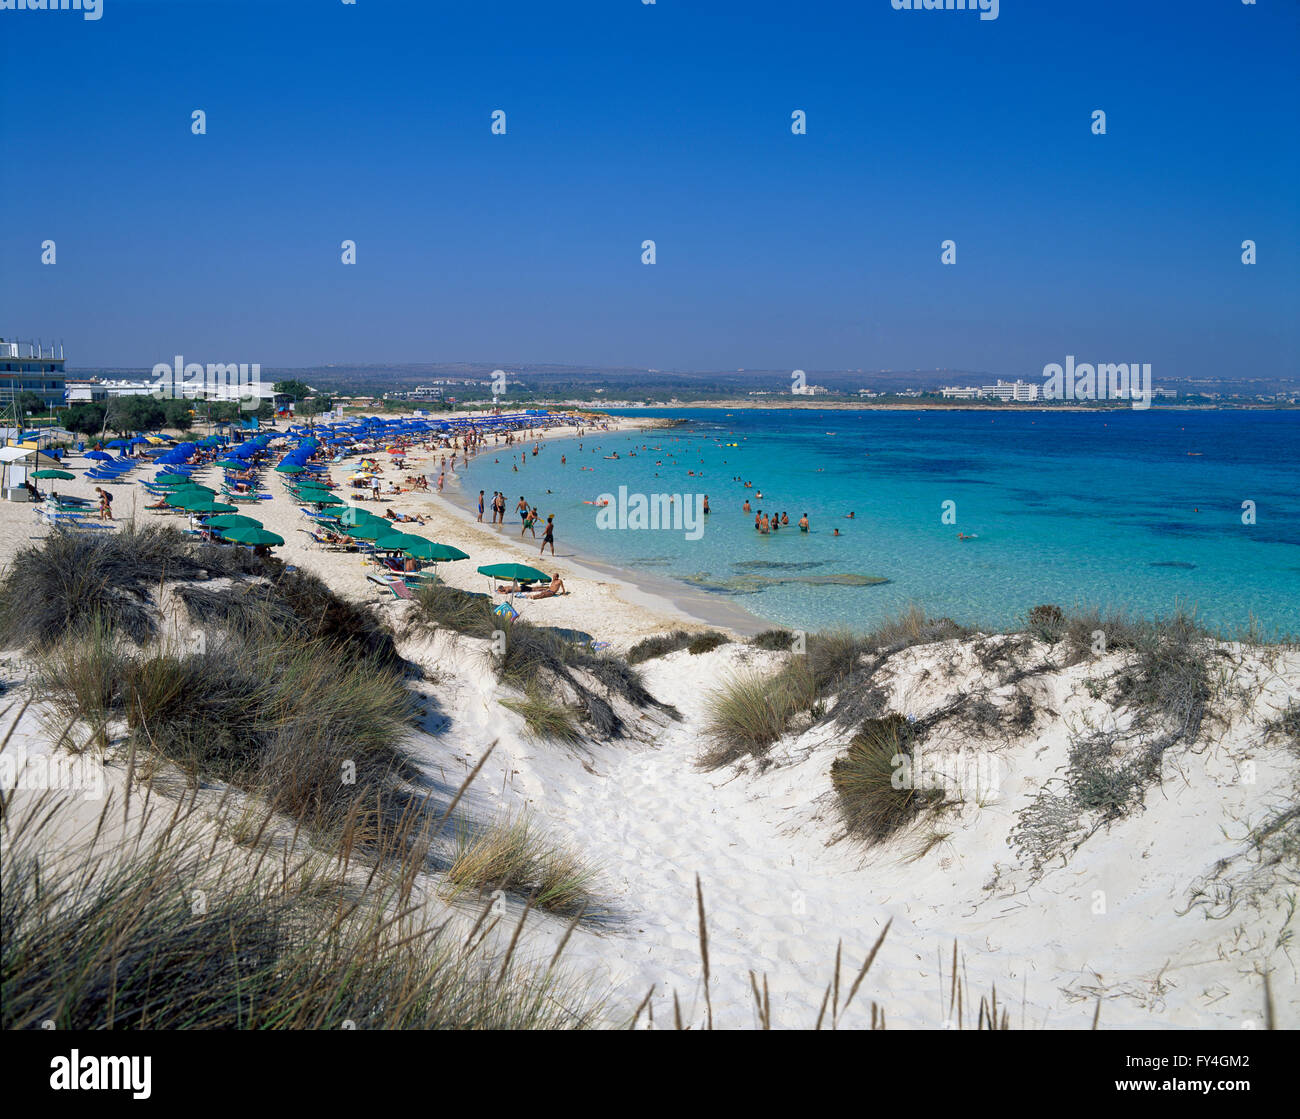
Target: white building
(1023,391)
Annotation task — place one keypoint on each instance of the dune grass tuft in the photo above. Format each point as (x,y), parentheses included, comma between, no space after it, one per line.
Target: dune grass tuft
(546,721)
(513,855)
(156,933)
(873,780)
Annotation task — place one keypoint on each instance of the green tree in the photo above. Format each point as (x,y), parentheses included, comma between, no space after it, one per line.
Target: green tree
(85,419)
(127,414)
(177,413)
(29,402)
(299,390)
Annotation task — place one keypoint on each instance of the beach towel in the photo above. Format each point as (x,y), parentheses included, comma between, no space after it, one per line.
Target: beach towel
(505,610)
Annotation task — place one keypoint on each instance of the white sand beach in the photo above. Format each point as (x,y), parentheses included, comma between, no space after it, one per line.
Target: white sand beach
(1164,918)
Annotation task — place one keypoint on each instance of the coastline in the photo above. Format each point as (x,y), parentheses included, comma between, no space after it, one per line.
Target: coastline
(785,403)
(677,604)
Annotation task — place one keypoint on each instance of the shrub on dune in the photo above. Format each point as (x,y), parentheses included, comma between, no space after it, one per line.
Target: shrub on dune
(746,715)
(651,648)
(872,780)
(513,855)
(546,721)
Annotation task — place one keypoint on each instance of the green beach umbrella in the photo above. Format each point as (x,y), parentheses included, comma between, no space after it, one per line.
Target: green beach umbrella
(420,548)
(321,498)
(370,530)
(398,541)
(232,464)
(292,468)
(210,507)
(62,475)
(172,480)
(232,520)
(354,516)
(520,572)
(182,499)
(246,535)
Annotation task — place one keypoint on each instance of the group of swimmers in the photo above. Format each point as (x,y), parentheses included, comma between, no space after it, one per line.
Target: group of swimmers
(765,525)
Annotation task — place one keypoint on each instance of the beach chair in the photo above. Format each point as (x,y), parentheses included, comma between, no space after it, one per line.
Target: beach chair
(325,543)
(396,587)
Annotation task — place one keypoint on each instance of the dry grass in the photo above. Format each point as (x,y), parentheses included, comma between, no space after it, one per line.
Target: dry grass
(546,721)
(160,931)
(873,781)
(514,856)
(746,715)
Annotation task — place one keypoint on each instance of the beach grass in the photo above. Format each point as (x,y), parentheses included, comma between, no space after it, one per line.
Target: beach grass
(873,780)
(513,855)
(546,721)
(155,932)
(747,714)
(74,580)
(538,659)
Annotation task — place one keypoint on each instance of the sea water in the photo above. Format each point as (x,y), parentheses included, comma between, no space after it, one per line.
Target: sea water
(1139,511)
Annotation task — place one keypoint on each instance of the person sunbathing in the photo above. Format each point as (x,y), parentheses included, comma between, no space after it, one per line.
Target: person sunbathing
(556,586)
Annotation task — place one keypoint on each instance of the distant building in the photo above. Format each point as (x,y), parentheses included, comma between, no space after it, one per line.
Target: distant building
(1022,391)
(31,367)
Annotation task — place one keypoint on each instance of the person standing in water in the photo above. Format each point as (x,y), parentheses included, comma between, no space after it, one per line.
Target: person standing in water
(480,506)
(803,523)
(548,536)
(706,504)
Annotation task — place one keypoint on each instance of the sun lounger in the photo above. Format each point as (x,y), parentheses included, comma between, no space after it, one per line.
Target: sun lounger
(397,587)
(326,543)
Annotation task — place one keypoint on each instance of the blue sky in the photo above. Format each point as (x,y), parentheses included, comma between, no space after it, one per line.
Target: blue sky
(670,121)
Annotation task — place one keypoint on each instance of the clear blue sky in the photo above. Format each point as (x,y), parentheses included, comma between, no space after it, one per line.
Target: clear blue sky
(669,121)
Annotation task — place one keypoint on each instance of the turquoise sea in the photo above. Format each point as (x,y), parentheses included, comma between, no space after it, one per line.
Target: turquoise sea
(1134,510)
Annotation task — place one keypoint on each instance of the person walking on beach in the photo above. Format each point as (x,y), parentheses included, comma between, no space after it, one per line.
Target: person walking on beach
(441,478)
(480,506)
(548,536)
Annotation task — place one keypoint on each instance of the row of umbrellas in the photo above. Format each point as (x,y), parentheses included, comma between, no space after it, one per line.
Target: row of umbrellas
(361,524)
